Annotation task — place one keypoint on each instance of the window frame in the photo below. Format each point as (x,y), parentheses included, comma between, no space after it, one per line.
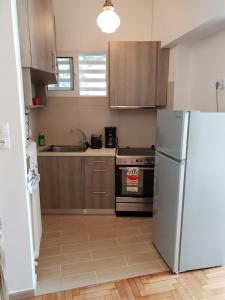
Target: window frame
(75,93)
(72,74)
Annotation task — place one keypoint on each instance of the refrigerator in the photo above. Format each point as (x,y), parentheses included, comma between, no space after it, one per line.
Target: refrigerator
(189,189)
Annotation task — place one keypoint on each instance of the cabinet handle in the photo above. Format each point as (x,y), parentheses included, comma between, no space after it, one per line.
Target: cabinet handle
(98,171)
(96,193)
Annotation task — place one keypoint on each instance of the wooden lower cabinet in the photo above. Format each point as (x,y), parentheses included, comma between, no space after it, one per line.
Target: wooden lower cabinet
(100,183)
(62,182)
(70,184)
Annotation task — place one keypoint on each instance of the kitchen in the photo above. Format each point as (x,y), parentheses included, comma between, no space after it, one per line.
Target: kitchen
(66,111)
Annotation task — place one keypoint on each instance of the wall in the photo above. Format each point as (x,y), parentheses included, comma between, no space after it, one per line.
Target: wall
(77,30)
(173,18)
(135,127)
(14,204)
(207,66)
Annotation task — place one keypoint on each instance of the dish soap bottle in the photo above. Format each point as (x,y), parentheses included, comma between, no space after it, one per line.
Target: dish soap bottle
(41,139)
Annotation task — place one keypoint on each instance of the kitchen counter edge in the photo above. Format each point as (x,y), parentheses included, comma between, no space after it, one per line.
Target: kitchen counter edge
(88,152)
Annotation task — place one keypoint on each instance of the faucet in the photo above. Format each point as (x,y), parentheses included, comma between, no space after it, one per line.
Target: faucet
(83,141)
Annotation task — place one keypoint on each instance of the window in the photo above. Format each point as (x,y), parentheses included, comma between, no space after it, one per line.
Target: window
(65,75)
(92,73)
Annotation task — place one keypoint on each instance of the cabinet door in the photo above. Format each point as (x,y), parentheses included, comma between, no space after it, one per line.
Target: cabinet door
(162,76)
(41,22)
(49,183)
(99,183)
(132,73)
(62,182)
(71,179)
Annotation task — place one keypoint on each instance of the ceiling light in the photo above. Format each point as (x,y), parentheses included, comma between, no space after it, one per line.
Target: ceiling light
(108,20)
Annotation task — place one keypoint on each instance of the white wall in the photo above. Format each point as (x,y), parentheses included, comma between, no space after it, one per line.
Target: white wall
(14,207)
(207,66)
(173,18)
(76,26)
(134,127)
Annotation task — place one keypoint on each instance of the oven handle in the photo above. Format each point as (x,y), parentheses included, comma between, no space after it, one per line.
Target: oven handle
(141,168)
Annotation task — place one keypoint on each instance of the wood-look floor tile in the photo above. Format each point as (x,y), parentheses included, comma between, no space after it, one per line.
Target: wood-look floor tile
(91,266)
(141,257)
(113,234)
(52,251)
(48,273)
(120,250)
(131,240)
(64,259)
(79,280)
(91,245)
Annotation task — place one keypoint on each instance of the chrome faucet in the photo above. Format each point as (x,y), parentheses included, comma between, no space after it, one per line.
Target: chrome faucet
(83,141)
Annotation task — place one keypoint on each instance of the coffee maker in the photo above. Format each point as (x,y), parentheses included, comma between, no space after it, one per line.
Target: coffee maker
(111,139)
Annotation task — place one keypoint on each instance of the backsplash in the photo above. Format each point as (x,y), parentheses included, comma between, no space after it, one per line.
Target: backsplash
(135,128)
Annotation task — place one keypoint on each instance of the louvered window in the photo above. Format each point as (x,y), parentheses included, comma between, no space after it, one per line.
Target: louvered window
(92,73)
(65,80)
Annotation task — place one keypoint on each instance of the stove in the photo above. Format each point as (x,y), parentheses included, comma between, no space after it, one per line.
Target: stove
(135,156)
(134,180)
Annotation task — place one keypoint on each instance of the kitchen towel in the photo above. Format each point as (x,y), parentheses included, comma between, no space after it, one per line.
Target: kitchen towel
(133,179)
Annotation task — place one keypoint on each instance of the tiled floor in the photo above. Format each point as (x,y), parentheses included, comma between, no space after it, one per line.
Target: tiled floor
(82,250)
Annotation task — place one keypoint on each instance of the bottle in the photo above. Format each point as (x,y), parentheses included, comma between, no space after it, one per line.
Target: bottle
(41,139)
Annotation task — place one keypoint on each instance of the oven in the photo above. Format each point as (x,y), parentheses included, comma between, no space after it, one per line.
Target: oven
(134,182)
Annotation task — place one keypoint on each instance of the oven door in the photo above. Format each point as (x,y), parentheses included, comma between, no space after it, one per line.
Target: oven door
(142,186)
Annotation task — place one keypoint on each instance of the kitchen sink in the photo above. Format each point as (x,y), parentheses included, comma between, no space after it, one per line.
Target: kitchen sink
(64,148)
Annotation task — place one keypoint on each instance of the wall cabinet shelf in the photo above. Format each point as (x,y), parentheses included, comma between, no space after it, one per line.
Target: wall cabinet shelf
(138,74)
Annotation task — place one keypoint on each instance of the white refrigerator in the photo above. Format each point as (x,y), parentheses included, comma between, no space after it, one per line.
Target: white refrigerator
(189,189)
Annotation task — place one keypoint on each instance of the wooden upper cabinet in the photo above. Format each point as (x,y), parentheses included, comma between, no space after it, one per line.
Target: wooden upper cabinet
(135,73)
(37,34)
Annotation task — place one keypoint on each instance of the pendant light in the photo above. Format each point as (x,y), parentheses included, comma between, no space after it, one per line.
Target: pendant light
(108,20)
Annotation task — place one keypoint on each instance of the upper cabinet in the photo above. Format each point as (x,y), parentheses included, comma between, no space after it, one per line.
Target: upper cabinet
(37,36)
(138,74)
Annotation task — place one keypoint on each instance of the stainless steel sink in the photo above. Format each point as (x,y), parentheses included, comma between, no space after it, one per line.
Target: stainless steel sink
(64,148)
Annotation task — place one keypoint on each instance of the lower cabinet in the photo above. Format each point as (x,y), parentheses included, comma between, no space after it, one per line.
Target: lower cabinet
(100,183)
(62,182)
(72,184)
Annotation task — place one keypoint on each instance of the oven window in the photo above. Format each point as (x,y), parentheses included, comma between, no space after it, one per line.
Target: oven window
(134,184)
(132,181)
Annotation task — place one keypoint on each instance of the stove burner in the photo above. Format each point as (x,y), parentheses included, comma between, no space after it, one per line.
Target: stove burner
(135,152)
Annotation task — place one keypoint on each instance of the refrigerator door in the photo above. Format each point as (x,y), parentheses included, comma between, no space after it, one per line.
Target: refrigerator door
(203,228)
(167,208)
(171,134)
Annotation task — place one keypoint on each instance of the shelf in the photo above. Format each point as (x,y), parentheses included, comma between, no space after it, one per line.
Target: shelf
(34,106)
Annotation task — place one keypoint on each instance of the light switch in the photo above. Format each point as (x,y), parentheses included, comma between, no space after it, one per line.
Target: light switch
(4,136)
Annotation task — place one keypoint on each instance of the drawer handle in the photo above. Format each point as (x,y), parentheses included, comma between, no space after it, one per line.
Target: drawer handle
(96,193)
(98,171)
(99,161)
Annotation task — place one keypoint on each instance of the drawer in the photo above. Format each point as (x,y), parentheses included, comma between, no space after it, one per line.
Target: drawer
(99,176)
(100,161)
(100,199)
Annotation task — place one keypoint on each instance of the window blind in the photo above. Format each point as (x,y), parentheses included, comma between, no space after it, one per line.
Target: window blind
(92,73)
(65,80)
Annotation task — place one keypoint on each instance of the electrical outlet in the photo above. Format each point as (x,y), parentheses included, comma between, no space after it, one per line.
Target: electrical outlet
(220,84)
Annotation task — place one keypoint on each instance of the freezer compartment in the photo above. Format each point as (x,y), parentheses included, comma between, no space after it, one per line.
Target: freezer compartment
(171,134)
(167,208)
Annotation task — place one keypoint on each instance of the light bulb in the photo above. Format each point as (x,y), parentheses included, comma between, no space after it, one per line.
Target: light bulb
(108,20)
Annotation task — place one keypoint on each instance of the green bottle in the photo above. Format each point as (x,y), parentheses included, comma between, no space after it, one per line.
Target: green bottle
(41,139)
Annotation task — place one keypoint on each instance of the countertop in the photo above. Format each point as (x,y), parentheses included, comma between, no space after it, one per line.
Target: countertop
(88,152)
